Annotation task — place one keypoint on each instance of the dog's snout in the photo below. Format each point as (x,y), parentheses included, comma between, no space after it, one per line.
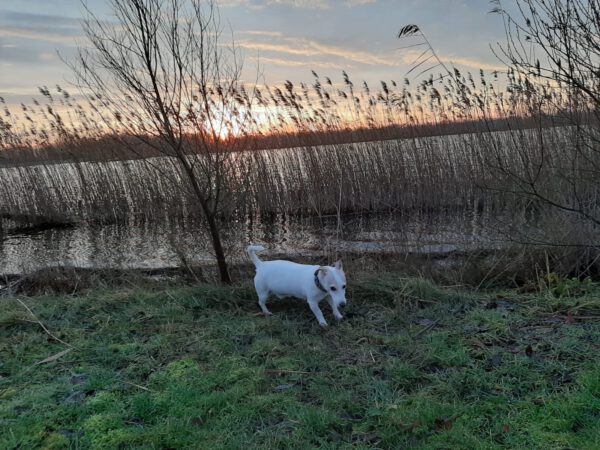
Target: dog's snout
(342,304)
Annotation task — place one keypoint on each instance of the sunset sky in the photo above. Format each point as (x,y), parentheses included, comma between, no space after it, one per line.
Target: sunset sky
(288,37)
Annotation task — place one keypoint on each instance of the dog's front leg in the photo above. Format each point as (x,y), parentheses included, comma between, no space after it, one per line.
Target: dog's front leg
(314,307)
(334,308)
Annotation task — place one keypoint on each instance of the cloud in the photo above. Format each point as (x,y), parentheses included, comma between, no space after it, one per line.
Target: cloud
(309,48)
(21,92)
(26,55)
(261,4)
(314,64)
(40,27)
(277,48)
(22,33)
(473,63)
(411,58)
(48,56)
(263,33)
(45,20)
(313,4)
(354,55)
(232,3)
(351,3)
(308,4)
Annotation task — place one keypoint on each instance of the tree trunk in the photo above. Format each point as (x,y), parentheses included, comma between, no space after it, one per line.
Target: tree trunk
(210,217)
(218,247)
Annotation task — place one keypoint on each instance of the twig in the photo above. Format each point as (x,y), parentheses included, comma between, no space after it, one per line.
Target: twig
(53,357)
(41,324)
(8,287)
(137,386)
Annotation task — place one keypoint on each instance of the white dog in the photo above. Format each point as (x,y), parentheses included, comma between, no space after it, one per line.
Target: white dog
(288,279)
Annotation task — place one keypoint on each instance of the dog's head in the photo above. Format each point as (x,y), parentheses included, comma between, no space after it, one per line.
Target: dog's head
(333,280)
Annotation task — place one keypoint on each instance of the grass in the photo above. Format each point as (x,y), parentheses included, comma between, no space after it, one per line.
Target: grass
(413,365)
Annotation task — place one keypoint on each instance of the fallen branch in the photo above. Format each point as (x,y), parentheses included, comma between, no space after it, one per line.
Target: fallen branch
(53,357)
(41,324)
(137,386)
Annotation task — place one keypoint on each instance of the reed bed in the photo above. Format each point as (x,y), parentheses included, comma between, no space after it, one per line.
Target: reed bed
(426,174)
(331,149)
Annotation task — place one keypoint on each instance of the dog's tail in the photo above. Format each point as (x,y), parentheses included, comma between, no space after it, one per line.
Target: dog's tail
(252,249)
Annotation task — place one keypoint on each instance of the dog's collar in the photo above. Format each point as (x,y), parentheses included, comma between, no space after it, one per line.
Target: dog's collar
(318,282)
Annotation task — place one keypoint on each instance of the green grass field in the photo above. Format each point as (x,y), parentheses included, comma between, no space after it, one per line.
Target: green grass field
(412,366)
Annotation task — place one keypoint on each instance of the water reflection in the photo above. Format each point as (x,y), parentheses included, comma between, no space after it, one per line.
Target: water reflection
(163,245)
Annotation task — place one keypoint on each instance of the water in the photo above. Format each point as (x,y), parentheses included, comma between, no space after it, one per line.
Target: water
(132,194)
(162,245)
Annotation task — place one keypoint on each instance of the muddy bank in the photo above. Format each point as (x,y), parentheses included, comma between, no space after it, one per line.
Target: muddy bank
(480,269)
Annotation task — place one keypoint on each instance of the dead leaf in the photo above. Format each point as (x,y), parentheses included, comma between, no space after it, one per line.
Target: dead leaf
(53,357)
(505,428)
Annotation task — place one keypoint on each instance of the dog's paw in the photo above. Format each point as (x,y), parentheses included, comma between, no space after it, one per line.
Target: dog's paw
(338,318)
(267,313)
(323,324)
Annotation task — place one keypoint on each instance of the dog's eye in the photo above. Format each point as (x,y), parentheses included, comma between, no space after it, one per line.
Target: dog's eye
(333,288)
(344,287)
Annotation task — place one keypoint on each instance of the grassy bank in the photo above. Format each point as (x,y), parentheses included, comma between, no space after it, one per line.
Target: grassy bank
(412,366)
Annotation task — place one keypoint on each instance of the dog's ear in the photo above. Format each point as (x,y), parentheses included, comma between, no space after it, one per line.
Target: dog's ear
(338,265)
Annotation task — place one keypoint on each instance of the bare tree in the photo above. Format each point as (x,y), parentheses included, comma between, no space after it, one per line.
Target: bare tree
(163,72)
(548,159)
(552,51)
(557,40)
(553,47)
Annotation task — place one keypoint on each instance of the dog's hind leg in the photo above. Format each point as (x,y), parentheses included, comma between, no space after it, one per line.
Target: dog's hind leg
(263,294)
(262,301)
